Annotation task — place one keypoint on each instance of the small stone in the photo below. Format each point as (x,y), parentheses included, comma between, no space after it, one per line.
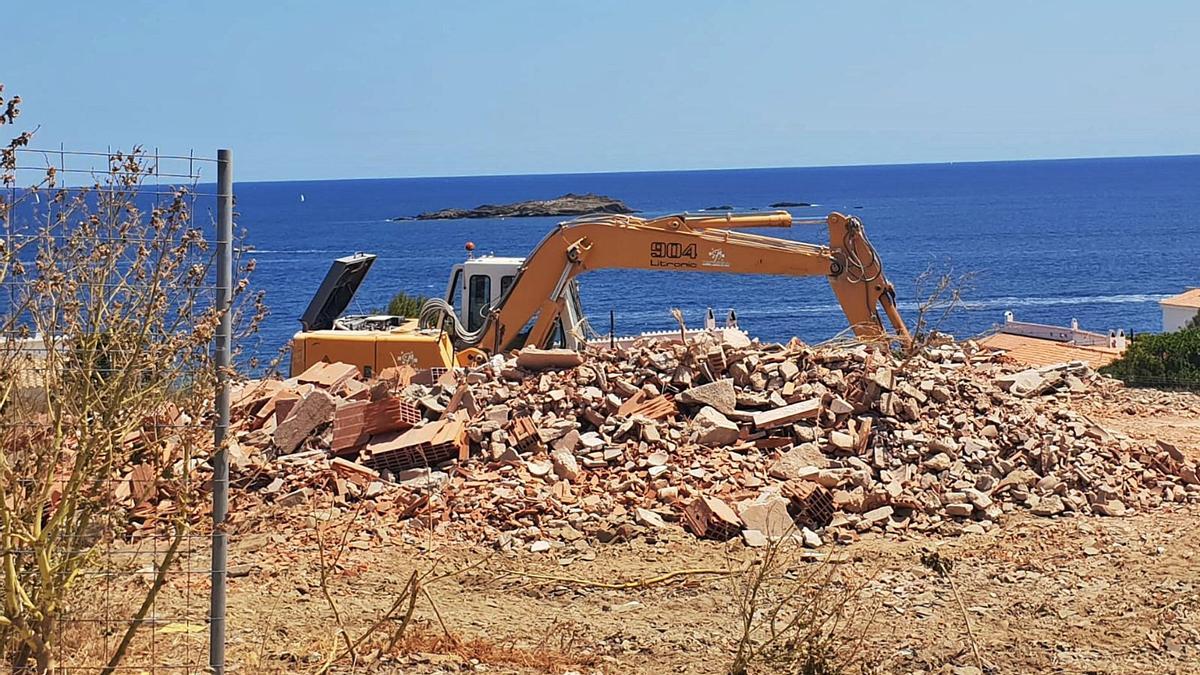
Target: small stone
(979,499)
(839,406)
(962,510)
(1048,506)
(938,463)
(650,519)
(539,468)
(754,538)
(841,440)
(878,515)
(565,465)
(591,441)
(539,546)
(811,539)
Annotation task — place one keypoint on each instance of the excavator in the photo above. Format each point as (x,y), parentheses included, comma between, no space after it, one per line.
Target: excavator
(493,305)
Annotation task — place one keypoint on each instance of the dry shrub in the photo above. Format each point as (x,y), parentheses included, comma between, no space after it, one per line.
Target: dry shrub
(801,616)
(940,293)
(398,631)
(105,330)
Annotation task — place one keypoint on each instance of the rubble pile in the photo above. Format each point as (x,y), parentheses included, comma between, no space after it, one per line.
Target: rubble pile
(725,436)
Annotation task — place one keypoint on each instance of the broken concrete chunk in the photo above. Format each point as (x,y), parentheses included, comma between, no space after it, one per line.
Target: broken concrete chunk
(938,463)
(568,442)
(566,466)
(879,515)
(883,378)
(711,428)
(754,538)
(295,498)
(841,440)
(810,539)
(314,409)
(767,514)
(539,467)
(1049,506)
(532,358)
(421,478)
(799,463)
(979,499)
(719,395)
(787,414)
(650,519)
(839,406)
(960,510)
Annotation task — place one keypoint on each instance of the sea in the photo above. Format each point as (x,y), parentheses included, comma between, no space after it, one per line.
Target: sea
(1097,240)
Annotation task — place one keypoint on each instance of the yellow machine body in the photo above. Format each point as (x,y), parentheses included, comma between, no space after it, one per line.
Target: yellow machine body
(372,350)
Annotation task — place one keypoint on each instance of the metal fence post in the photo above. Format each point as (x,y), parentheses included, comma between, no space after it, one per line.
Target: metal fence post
(220,461)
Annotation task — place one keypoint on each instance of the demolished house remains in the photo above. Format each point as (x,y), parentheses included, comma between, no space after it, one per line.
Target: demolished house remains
(723,436)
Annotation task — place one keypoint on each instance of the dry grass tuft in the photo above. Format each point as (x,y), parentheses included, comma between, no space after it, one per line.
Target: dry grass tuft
(801,616)
(559,649)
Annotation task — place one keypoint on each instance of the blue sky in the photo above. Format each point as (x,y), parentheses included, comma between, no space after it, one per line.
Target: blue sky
(362,89)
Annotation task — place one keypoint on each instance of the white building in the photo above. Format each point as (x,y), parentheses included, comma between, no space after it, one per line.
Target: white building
(1178,310)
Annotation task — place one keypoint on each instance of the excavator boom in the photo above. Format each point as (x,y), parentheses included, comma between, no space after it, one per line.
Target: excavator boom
(690,243)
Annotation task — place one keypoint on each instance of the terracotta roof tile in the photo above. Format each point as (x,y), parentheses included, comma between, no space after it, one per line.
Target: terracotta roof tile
(1039,352)
(1189,298)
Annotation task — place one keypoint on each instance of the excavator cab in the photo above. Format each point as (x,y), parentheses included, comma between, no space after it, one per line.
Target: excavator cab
(478,285)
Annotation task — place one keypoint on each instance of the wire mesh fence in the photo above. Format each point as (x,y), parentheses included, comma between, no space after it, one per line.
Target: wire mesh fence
(1180,383)
(115,278)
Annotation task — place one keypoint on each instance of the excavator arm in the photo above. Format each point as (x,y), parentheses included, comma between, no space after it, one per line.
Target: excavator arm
(690,243)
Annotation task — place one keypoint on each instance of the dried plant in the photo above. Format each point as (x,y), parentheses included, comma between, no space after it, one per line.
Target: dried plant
(940,291)
(107,318)
(800,616)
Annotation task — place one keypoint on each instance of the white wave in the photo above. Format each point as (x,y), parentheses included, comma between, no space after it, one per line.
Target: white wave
(302,250)
(1012,301)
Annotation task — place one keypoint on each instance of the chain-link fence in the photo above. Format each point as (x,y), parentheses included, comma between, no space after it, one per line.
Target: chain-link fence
(116,277)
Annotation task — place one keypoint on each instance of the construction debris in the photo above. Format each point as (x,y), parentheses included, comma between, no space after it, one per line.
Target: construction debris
(724,438)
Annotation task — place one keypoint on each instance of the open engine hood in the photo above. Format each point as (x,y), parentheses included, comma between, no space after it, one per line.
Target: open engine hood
(336,291)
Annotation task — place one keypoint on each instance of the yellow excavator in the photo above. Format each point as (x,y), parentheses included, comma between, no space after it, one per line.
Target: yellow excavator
(493,305)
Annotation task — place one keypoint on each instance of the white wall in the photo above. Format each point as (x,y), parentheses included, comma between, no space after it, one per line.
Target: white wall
(1175,318)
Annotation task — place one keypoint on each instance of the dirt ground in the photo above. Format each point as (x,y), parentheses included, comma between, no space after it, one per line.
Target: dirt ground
(1070,594)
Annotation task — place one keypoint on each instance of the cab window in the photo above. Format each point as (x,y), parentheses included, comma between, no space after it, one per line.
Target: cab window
(454,283)
(506,283)
(479,295)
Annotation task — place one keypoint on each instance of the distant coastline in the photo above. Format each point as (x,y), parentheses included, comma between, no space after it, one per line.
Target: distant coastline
(569,204)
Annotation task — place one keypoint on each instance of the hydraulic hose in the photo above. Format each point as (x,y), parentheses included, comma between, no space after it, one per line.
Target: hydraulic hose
(436,313)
